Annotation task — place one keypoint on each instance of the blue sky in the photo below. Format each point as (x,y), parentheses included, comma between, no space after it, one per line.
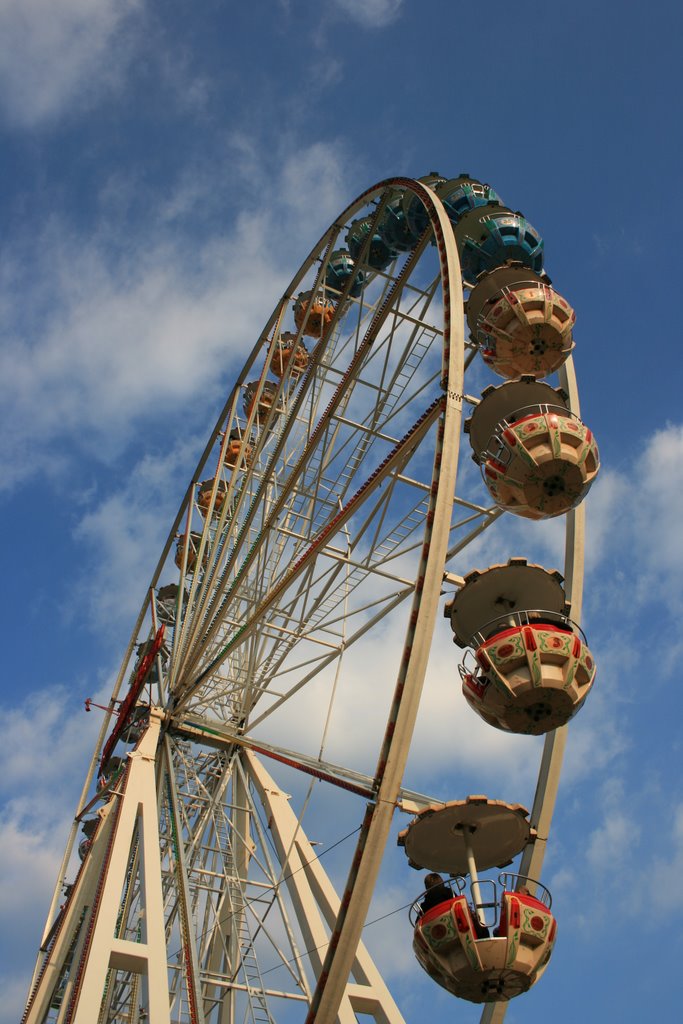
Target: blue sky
(166,168)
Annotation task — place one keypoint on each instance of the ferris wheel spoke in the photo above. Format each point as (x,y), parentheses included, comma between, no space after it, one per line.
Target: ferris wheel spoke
(484,520)
(341,395)
(317,616)
(387,607)
(230,514)
(321,615)
(319,662)
(396,457)
(338,490)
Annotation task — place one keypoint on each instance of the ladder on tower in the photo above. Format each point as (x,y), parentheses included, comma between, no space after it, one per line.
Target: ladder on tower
(247,959)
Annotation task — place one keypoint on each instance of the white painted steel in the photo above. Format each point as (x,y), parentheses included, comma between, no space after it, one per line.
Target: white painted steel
(98,896)
(317,906)
(475,888)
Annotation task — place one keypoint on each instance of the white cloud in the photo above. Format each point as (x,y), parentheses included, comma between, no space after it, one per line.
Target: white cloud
(64,736)
(130,327)
(608,845)
(128,342)
(122,536)
(595,739)
(600,733)
(491,757)
(639,835)
(394,959)
(604,510)
(14,992)
(563,880)
(29,863)
(371,13)
(656,507)
(58,52)
(44,754)
(665,871)
(317,171)
(24,853)
(635,513)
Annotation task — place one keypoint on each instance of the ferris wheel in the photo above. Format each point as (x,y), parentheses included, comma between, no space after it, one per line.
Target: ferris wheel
(327,515)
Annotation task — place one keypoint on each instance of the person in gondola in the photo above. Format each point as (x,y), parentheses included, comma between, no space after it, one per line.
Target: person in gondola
(437,892)
(480,930)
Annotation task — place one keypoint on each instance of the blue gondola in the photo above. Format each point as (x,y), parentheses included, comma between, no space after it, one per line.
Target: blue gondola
(394,227)
(488,236)
(378,255)
(339,269)
(462,194)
